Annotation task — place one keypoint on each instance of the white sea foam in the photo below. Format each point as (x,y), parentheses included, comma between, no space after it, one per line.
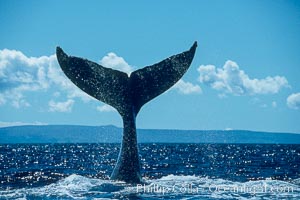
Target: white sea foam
(177,187)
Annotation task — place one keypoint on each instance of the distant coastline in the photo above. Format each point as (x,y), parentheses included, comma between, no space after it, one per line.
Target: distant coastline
(113,134)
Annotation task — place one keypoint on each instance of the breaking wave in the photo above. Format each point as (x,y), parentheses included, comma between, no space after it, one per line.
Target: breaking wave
(167,187)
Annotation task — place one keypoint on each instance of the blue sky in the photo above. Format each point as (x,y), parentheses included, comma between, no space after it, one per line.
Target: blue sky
(245,74)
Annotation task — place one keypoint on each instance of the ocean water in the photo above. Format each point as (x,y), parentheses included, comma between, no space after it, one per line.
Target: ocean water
(170,171)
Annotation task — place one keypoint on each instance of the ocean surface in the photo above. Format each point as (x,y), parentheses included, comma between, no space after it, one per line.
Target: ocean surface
(170,171)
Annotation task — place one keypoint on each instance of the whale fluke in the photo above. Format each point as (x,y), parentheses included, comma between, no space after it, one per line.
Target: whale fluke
(127,94)
(105,84)
(151,81)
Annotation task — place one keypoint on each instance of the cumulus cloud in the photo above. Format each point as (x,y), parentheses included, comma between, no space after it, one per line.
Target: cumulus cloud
(231,80)
(106,108)
(111,60)
(187,87)
(293,101)
(65,106)
(20,75)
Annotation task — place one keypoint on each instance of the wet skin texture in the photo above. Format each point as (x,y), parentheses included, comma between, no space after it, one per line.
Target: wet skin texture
(127,94)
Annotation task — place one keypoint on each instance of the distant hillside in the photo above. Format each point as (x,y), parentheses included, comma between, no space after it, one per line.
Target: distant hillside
(112,134)
(60,134)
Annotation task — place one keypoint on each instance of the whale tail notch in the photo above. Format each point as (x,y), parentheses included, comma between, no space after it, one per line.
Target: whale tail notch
(119,90)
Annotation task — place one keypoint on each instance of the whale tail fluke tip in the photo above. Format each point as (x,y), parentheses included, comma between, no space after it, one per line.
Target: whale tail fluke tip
(59,51)
(194,46)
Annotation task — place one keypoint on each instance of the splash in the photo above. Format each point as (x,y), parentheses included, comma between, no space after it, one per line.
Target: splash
(171,186)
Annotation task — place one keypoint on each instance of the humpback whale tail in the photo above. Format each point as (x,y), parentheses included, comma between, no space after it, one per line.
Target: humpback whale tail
(127,94)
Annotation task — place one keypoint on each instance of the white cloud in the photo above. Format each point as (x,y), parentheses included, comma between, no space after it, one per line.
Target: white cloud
(187,87)
(8,124)
(231,80)
(65,106)
(293,101)
(20,75)
(111,60)
(106,108)
(274,104)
